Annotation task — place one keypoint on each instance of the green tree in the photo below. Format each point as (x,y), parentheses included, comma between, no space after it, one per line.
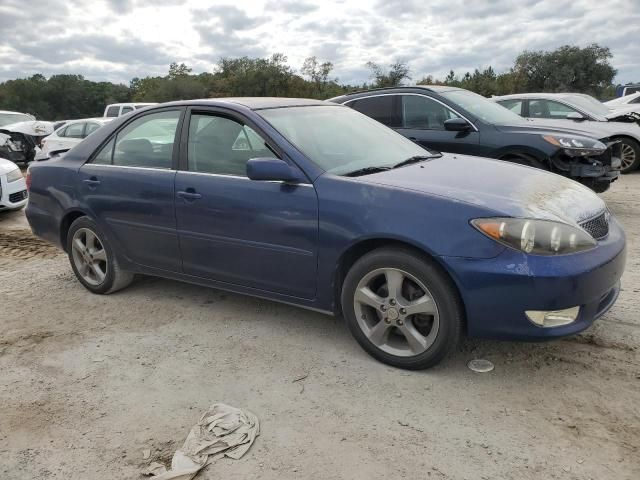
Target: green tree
(393,77)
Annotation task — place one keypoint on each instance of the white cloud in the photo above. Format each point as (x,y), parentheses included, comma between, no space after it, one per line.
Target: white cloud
(119,39)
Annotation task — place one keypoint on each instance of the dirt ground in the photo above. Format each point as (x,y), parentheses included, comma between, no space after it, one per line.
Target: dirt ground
(87,383)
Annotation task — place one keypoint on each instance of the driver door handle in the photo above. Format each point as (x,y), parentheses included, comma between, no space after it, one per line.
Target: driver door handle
(189,195)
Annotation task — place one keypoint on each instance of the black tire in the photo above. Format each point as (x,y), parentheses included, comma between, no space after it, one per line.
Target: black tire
(440,287)
(629,143)
(115,278)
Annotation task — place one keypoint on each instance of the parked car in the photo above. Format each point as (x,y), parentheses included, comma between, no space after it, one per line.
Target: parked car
(19,141)
(584,112)
(324,208)
(631,99)
(13,188)
(118,109)
(7,117)
(459,121)
(623,90)
(70,134)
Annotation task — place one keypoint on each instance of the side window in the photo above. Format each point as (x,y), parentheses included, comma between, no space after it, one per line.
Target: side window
(222,146)
(91,127)
(635,100)
(514,105)
(146,142)
(383,109)
(62,132)
(549,109)
(422,112)
(126,110)
(75,130)
(113,111)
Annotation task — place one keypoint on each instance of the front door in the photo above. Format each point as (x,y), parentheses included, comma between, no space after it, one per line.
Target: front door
(129,187)
(423,122)
(256,234)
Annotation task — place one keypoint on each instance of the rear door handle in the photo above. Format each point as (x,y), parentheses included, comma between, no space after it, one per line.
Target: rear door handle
(93,182)
(189,195)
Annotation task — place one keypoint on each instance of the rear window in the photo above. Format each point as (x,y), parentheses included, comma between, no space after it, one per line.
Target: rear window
(384,109)
(113,111)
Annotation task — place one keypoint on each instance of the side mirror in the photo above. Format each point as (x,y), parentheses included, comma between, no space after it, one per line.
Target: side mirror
(271,169)
(457,125)
(575,116)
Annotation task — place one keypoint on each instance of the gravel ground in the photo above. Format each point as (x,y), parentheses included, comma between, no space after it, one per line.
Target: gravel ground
(88,383)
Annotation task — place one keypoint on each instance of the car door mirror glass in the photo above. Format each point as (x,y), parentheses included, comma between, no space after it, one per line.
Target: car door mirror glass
(457,125)
(271,169)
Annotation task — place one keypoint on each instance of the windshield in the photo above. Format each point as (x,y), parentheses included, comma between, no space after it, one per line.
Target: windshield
(9,118)
(341,140)
(484,109)
(589,105)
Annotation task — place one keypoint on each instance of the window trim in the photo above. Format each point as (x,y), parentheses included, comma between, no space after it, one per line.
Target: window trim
(417,95)
(176,140)
(183,165)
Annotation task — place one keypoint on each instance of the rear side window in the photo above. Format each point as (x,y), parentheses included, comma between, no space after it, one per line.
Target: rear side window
(223,146)
(635,100)
(514,105)
(91,127)
(113,111)
(549,109)
(75,130)
(420,112)
(126,110)
(146,142)
(384,109)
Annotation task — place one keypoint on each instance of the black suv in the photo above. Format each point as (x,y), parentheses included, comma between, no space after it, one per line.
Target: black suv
(459,121)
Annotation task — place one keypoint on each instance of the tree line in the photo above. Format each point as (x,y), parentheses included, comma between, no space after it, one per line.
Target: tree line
(568,68)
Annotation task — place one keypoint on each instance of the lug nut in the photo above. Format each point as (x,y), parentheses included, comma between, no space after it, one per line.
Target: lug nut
(403,311)
(399,322)
(383,308)
(392,302)
(386,320)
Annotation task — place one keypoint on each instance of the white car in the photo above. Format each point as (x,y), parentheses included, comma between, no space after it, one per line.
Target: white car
(627,100)
(13,187)
(581,112)
(118,109)
(70,134)
(7,117)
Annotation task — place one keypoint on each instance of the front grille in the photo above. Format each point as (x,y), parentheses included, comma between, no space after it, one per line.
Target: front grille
(18,196)
(597,227)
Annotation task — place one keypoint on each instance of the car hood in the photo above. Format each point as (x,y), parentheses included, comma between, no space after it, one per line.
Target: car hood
(556,127)
(35,128)
(6,166)
(590,128)
(502,187)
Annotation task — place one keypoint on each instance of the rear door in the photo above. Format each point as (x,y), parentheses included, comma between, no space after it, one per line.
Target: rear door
(129,187)
(257,234)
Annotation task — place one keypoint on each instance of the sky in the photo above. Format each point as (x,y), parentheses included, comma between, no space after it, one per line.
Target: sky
(117,40)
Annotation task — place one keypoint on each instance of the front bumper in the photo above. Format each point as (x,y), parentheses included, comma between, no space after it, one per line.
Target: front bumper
(13,195)
(497,292)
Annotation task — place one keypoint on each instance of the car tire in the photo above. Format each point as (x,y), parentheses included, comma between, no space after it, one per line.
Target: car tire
(402,308)
(630,155)
(95,266)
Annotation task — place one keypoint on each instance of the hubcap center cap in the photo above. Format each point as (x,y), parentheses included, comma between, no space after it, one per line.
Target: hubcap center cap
(392,313)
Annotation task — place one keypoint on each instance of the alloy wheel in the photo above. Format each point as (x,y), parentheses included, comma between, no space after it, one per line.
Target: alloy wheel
(396,312)
(628,156)
(89,256)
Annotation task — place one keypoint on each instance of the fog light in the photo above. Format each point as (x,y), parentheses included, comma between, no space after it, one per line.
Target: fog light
(553,318)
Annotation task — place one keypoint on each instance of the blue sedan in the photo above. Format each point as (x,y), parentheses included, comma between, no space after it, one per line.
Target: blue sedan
(317,205)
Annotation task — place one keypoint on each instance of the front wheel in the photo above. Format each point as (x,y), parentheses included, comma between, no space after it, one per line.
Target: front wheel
(92,258)
(630,155)
(402,308)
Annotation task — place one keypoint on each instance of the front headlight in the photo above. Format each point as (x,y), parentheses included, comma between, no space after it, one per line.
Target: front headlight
(14,175)
(538,237)
(577,146)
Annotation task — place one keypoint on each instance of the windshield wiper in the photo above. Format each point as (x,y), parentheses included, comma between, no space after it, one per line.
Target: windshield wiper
(415,159)
(366,171)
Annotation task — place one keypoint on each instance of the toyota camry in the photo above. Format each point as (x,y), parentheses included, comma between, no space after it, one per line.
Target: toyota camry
(317,205)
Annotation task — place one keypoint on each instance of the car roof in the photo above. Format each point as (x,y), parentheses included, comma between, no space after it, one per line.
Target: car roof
(254,103)
(16,113)
(538,95)
(429,88)
(92,119)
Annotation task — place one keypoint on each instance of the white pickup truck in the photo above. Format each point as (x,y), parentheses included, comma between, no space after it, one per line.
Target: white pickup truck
(118,109)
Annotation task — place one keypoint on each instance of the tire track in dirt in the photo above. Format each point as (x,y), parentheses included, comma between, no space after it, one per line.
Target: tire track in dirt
(22,244)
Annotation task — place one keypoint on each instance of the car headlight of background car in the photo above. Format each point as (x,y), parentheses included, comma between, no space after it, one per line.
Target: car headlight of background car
(14,175)
(539,237)
(577,147)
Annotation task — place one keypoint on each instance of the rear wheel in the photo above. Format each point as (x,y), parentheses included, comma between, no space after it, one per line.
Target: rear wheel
(402,308)
(93,260)
(630,155)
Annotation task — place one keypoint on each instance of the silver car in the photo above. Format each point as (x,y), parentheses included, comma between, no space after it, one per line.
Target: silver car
(583,112)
